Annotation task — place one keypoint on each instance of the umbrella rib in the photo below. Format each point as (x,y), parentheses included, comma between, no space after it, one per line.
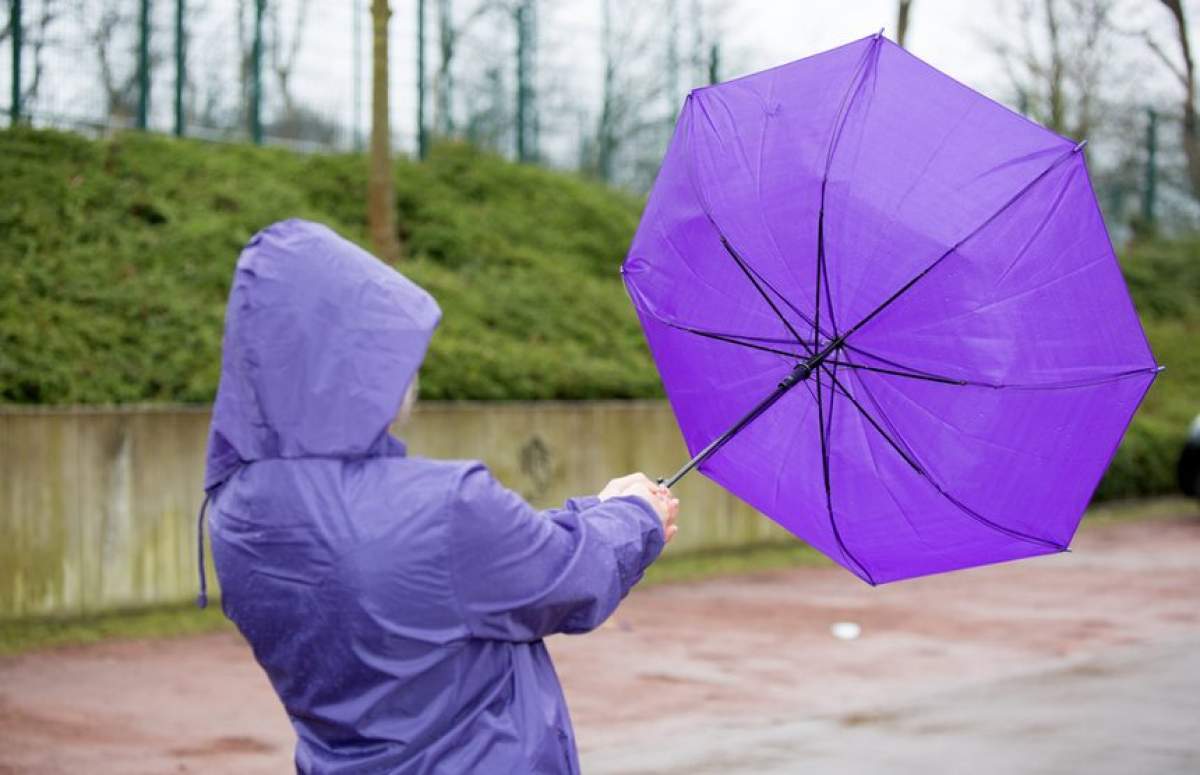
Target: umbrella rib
(822,273)
(751,277)
(939,378)
(824,268)
(1070,384)
(839,387)
(766,283)
(889,361)
(704,206)
(899,369)
(671,322)
(820,260)
(898,373)
(847,102)
(732,340)
(823,431)
(843,112)
(1000,211)
(1010,532)
(886,420)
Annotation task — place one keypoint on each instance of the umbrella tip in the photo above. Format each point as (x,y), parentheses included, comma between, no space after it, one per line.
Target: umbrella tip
(879,34)
(1079,147)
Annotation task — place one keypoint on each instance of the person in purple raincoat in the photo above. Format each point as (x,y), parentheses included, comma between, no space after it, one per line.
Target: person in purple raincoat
(397,604)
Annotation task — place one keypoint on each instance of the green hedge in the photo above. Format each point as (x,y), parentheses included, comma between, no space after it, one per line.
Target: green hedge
(1164,278)
(115,259)
(116,255)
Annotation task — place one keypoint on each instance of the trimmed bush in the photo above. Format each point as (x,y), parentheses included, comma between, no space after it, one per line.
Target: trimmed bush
(116,257)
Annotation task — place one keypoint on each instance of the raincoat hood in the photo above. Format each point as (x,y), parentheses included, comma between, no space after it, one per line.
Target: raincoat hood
(321,342)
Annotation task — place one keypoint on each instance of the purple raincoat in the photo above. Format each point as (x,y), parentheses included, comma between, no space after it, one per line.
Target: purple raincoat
(397,604)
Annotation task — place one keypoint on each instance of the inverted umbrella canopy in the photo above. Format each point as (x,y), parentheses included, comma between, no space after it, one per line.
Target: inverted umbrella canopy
(887,313)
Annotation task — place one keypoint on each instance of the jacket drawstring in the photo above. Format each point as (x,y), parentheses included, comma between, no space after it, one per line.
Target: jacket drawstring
(202,598)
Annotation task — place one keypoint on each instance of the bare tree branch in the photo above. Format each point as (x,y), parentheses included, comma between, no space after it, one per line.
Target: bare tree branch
(1165,59)
(381,187)
(902,13)
(1190,128)
(1060,64)
(283,58)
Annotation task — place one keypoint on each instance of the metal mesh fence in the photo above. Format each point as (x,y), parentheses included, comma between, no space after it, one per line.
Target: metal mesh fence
(532,79)
(580,84)
(294,72)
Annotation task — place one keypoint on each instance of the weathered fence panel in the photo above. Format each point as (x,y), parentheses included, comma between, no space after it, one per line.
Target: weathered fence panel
(98,505)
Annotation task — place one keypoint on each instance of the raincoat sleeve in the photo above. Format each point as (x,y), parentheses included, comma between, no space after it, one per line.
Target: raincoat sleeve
(521,575)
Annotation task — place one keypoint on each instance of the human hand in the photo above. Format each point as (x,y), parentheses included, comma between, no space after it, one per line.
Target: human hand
(665,505)
(617,486)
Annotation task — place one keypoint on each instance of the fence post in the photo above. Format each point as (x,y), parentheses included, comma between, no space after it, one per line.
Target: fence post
(525,94)
(672,58)
(605,144)
(14,107)
(143,65)
(535,122)
(356,48)
(1149,191)
(180,65)
(422,140)
(256,128)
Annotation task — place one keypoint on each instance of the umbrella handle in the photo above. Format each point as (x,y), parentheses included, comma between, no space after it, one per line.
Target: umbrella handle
(797,375)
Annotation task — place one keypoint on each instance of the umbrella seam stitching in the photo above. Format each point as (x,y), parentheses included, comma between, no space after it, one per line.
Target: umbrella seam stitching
(899,506)
(856,83)
(923,471)
(825,466)
(954,248)
(706,207)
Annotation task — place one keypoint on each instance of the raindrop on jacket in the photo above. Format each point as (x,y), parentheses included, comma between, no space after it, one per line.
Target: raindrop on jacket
(397,604)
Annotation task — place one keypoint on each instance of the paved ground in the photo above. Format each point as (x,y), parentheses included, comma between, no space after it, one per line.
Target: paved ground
(1086,662)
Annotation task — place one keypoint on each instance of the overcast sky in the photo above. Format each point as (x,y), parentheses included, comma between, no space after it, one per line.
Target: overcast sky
(949,34)
(335,45)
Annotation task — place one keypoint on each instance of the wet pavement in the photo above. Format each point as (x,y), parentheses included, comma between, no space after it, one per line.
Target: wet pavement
(1136,710)
(1084,662)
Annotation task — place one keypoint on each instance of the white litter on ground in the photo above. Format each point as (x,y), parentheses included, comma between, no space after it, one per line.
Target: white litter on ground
(845,630)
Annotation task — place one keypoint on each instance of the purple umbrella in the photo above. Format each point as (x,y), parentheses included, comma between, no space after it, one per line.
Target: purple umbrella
(887,313)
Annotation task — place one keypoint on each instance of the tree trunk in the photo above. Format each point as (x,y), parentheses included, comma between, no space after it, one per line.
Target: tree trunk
(1187,77)
(1057,120)
(902,21)
(606,139)
(443,84)
(381,193)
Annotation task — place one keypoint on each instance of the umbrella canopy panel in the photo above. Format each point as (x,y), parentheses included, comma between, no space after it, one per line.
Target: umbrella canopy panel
(935,269)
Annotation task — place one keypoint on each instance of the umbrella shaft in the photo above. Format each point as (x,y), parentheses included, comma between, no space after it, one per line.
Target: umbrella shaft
(798,375)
